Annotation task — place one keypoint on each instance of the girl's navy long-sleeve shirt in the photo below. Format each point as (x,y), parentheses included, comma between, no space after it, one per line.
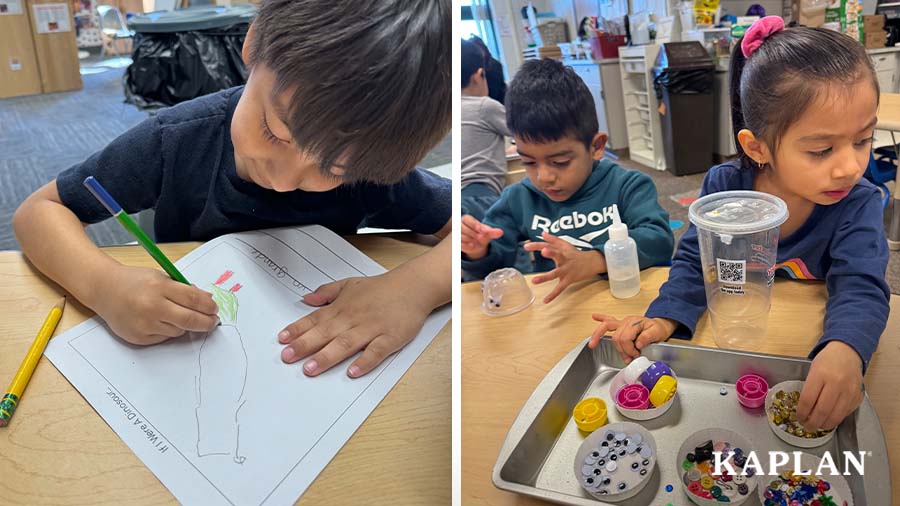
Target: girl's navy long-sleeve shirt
(843,244)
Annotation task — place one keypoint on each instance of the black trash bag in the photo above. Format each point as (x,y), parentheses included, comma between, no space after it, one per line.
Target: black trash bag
(170,68)
(684,82)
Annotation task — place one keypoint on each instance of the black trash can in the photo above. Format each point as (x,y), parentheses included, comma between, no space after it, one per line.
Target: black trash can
(683,80)
(183,54)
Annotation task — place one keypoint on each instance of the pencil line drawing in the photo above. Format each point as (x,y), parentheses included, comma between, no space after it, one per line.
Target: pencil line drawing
(221,396)
(280,460)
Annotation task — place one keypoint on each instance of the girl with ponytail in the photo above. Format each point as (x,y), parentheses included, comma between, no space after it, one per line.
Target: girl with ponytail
(804,103)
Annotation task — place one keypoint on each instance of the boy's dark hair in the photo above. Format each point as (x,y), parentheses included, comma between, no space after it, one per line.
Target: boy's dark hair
(369,82)
(547,101)
(471,58)
(493,72)
(786,74)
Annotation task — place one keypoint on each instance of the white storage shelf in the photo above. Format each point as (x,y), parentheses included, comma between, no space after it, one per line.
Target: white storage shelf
(641,119)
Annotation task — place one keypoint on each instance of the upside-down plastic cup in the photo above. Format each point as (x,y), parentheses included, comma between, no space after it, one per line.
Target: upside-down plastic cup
(738,236)
(505,291)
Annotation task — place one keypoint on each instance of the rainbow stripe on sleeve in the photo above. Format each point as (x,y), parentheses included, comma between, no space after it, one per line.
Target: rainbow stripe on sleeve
(795,269)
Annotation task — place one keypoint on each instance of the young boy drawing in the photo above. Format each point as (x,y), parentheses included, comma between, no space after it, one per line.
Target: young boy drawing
(342,101)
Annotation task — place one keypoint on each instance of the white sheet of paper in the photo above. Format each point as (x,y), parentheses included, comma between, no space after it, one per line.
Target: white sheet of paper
(219,418)
(51,18)
(10,7)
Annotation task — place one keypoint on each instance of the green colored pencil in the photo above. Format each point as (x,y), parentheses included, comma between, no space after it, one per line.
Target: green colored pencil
(129,224)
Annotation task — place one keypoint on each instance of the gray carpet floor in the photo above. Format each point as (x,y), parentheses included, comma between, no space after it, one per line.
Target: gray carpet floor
(42,135)
(45,134)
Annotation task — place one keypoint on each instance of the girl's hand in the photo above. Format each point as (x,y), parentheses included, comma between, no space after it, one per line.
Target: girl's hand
(632,333)
(572,264)
(833,387)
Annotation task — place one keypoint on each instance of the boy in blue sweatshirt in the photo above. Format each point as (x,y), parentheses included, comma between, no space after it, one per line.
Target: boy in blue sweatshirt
(567,203)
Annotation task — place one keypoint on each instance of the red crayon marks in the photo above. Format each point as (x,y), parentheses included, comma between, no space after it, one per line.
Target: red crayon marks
(224,277)
(235,288)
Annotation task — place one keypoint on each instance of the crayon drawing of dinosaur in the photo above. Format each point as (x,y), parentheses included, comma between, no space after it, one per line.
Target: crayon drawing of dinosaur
(221,378)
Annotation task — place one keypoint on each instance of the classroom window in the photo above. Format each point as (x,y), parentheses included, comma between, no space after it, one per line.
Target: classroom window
(475,19)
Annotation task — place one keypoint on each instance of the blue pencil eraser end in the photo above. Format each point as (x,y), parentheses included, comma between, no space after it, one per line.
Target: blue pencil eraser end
(100,193)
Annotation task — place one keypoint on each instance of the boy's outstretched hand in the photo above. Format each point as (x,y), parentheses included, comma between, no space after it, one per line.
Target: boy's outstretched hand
(476,236)
(145,306)
(833,387)
(378,315)
(572,264)
(632,333)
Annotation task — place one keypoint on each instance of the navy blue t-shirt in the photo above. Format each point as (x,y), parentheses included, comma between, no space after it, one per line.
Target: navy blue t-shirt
(843,244)
(181,163)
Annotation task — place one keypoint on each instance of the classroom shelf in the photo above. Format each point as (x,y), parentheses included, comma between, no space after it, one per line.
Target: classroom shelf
(641,119)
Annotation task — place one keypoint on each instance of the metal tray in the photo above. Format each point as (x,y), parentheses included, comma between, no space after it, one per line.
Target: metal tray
(536,457)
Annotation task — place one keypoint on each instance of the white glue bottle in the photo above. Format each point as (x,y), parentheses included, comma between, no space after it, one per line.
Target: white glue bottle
(622,260)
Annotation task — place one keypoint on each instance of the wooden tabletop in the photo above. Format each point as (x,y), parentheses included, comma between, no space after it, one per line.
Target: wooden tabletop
(57,450)
(504,359)
(889,112)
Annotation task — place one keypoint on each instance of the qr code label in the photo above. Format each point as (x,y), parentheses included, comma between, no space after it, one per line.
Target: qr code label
(732,271)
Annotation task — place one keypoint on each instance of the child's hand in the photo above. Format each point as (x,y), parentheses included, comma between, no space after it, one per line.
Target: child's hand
(572,264)
(376,315)
(632,333)
(833,387)
(145,306)
(476,237)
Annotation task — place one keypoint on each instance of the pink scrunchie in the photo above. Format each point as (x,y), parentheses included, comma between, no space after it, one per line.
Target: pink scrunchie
(759,32)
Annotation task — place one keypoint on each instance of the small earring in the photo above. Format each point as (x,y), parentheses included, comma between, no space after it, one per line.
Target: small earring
(762,165)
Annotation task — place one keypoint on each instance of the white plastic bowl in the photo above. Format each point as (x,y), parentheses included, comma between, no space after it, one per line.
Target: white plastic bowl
(800,442)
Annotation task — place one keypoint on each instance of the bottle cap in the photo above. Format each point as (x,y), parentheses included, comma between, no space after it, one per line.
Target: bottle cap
(618,230)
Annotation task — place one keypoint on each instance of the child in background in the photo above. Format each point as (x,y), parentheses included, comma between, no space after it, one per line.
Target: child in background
(482,135)
(804,103)
(493,72)
(311,138)
(566,204)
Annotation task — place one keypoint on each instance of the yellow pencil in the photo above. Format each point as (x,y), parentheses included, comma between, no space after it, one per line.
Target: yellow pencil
(20,381)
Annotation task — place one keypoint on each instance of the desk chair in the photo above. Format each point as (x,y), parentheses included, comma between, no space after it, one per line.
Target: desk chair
(881,169)
(113,28)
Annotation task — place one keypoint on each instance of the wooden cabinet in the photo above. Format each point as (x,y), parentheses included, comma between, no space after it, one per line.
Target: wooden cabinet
(19,73)
(57,53)
(33,62)
(604,81)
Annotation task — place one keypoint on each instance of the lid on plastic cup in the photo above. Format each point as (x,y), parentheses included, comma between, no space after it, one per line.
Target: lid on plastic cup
(738,212)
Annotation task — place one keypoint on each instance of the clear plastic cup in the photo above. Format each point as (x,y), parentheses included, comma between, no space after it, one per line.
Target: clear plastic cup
(505,292)
(738,236)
